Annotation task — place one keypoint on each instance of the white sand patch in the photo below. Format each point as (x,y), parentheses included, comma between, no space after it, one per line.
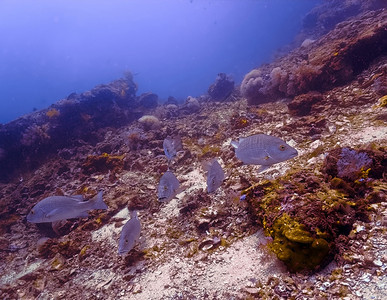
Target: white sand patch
(241,265)
(13,275)
(370,134)
(194,180)
(99,279)
(109,232)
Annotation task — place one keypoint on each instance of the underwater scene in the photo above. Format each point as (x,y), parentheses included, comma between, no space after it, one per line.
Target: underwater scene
(193,149)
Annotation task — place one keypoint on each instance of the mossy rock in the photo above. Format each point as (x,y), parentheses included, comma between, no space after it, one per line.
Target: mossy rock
(296,246)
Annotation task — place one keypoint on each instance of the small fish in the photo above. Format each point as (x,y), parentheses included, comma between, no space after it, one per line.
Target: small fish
(130,233)
(168,187)
(264,150)
(215,176)
(172,146)
(56,208)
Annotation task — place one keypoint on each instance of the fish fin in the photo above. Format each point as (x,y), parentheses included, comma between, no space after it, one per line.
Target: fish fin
(133,214)
(263,168)
(235,144)
(207,164)
(77,197)
(98,202)
(52,213)
(181,189)
(57,224)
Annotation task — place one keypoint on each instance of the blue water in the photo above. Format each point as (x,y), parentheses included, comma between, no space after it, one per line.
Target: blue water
(50,49)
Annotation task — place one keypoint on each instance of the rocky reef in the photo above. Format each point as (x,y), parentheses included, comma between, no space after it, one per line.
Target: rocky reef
(310,227)
(333,60)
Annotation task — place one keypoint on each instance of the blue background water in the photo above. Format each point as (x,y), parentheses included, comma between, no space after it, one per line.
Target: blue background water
(50,49)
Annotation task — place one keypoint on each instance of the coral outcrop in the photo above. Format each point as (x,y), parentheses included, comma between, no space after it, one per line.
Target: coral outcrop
(331,61)
(221,88)
(307,215)
(31,139)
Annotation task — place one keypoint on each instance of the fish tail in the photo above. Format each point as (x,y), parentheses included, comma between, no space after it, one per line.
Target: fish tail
(133,214)
(98,202)
(235,144)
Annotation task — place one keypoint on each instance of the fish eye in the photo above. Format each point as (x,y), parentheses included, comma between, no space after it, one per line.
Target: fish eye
(282,147)
(32,212)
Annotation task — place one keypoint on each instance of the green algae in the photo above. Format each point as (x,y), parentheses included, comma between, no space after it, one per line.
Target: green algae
(296,246)
(307,213)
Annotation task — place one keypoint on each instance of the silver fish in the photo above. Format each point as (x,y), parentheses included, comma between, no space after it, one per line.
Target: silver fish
(56,208)
(215,176)
(172,146)
(264,150)
(168,187)
(130,233)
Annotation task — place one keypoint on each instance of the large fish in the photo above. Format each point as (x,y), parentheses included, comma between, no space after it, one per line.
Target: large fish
(168,187)
(263,149)
(57,208)
(172,146)
(130,233)
(215,176)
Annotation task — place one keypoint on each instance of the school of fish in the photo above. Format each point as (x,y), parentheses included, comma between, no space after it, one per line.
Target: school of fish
(259,149)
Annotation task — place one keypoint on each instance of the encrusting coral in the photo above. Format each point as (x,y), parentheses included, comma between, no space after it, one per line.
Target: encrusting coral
(306,215)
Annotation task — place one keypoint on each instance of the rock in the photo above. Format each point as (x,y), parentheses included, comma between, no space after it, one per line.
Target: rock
(324,17)
(221,88)
(333,60)
(348,164)
(149,122)
(252,291)
(307,42)
(377,263)
(301,105)
(192,104)
(148,100)
(35,137)
(171,100)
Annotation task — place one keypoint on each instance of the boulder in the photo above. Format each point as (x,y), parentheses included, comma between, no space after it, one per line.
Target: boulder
(221,88)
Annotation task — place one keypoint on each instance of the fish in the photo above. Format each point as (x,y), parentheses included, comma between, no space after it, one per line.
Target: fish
(168,187)
(215,176)
(172,146)
(263,149)
(130,233)
(56,208)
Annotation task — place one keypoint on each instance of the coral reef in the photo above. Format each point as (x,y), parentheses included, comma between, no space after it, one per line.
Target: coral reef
(350,164)
(221,88)
(302,104)
(103,163)
(78,117)
(333,60)
(324,17)
(149,122)
(148,100)
(321,216)
(192,104)
(307,215)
